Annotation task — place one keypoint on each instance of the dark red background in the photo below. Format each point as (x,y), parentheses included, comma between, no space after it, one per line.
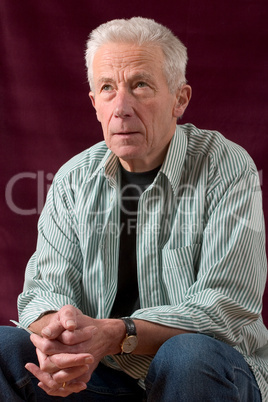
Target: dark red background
(46,116)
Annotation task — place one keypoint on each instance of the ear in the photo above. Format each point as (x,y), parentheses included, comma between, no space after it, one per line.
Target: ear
(93,101)
(183,96)
(92,98)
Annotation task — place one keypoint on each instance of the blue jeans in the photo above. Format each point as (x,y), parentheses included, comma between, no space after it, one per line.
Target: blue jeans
(187,368)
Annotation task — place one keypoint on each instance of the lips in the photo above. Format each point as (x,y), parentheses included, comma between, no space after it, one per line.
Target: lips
(126,133)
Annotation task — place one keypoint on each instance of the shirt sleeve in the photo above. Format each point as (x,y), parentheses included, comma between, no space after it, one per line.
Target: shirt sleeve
(230,272)
(53,274)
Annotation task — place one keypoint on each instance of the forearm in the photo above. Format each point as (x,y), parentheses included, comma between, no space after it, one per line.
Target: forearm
(151,336)
(43,321)
(112,332)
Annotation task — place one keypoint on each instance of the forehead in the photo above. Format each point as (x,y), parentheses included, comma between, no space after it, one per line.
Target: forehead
(125,57)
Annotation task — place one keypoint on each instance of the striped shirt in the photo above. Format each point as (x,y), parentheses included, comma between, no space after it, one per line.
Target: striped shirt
(201,260)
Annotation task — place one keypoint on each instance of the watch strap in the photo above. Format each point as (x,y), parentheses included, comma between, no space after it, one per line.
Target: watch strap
(130,326)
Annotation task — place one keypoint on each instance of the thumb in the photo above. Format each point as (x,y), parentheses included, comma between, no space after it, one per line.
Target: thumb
(65,319)
(68,317)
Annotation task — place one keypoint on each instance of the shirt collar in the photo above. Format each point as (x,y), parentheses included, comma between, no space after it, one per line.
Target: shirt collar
(171,167)
(174,160)
(108,166)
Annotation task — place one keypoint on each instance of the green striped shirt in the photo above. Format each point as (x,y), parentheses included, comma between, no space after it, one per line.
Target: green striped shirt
(201,260)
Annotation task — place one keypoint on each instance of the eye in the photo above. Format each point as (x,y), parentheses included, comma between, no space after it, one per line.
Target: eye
(106,87)
(141,84)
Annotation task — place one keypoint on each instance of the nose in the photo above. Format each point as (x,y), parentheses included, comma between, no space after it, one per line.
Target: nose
(123,104)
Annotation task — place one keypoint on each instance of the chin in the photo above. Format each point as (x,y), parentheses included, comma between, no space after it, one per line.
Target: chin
(128,153)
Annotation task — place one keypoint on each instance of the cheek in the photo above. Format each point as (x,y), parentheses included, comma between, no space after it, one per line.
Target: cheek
(104,115)
(99,113)
(102,119)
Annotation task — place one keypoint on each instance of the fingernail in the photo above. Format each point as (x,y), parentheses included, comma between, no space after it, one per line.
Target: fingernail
(70,323)
(89,360)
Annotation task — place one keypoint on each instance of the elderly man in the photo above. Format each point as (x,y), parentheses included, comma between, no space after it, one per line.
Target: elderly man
(150,266)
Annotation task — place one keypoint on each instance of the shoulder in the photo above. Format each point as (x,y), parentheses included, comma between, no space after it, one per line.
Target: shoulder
(79,167)
(224,155)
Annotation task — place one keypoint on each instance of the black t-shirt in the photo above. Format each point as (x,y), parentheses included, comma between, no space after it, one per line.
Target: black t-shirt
(132,186)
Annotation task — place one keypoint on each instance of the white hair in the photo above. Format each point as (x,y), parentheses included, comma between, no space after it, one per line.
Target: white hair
(141,31)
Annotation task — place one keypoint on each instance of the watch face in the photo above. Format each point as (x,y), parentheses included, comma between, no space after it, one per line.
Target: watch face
(129,344)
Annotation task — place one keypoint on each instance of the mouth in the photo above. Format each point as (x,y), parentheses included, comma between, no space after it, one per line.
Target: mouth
(126,133)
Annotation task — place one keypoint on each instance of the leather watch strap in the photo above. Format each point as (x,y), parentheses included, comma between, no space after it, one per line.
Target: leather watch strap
(130,326)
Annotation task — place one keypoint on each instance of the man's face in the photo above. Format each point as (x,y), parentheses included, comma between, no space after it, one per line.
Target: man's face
(137,112)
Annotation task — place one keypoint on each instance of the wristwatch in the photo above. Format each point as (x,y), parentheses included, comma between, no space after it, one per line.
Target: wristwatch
(130,341)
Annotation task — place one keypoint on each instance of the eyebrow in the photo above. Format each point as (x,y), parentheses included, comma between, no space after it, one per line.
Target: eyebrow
(136,77)
(141,77)
(103,80)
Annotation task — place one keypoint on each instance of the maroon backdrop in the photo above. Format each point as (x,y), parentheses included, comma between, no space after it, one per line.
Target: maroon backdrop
(46,116)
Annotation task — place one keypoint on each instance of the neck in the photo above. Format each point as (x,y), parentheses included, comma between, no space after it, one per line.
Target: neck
(142,165)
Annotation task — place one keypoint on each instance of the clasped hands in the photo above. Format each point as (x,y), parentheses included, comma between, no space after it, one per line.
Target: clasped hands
(69,349)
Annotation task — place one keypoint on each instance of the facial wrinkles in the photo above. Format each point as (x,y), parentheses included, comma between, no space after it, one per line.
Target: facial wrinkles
(119,65)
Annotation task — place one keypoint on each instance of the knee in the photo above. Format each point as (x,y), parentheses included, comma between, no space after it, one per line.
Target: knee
(15,344)
(185,353)
(196,367)
(13,337)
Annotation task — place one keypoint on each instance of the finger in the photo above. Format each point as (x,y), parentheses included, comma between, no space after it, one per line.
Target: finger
(70,374)
(53,347)
(66,391)
(52,383)
(45,363)
(65,319)
(54,363)
(67,360)
(48,346)
(42,376)
(86,377)
(68,316)
(54,328)
(78,336)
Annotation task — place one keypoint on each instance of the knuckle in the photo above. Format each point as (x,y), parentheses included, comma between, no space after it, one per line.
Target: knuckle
(42,365)
(68,310)
(80,348)
(83,369)
(69,337)
(46,346)
(53,385)
(57,360)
